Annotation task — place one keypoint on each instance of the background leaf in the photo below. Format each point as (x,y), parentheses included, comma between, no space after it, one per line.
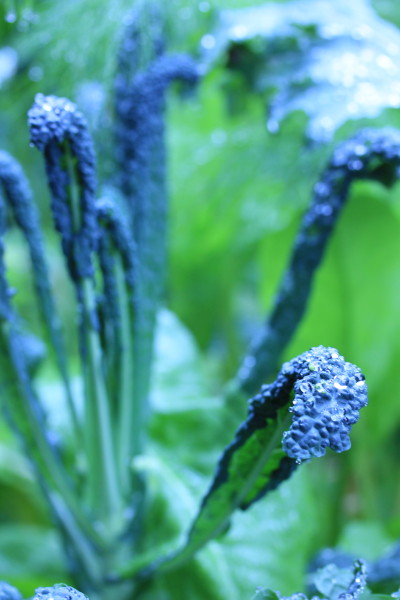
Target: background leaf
(334,61)
(30,556)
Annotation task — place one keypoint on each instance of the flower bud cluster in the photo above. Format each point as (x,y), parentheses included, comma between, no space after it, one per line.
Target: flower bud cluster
(328,395)
(52,117)
(60,131)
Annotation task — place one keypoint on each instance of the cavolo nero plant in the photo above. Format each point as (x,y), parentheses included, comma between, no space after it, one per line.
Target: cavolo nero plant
(114,246)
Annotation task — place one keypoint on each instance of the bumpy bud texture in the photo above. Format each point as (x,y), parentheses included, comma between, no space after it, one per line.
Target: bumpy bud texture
(329,393)
(52,117)
(60,591)
(59,130)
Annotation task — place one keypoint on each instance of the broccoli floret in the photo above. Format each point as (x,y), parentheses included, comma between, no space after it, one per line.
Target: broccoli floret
(329,393)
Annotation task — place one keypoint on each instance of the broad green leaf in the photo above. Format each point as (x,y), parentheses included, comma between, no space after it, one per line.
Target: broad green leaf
(187,420)
(232,211)
(19,495)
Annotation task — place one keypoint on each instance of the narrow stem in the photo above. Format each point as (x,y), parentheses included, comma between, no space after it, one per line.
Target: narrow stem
(104,490)
(105,485)
(53,324)
(130,418)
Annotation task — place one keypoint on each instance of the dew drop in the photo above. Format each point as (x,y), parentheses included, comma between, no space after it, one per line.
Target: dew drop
(337,415)
(305,387)
(339,386)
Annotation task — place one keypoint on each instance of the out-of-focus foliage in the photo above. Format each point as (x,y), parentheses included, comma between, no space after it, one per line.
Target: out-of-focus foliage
(333,61)
(191,425)
(237,194)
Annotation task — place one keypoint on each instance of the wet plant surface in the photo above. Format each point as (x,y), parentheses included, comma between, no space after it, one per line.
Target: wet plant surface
(169,212)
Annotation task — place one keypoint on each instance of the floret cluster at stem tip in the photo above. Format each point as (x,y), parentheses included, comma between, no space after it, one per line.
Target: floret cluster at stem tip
(328,394)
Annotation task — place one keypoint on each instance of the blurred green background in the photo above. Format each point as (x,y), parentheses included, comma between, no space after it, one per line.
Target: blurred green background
(237,193)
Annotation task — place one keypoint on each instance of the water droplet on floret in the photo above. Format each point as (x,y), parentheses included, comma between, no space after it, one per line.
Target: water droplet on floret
(305,387)
(337,414)
(339,386)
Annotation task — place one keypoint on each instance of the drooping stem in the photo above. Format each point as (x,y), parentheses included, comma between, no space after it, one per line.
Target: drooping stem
(371,155)
(60,131)
(102,470)
(119,269)
(131,421)
(190,550)
(277,435)
(19,197)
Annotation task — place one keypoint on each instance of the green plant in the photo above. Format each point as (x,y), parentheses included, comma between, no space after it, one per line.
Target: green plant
(98,252)
(98,482)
